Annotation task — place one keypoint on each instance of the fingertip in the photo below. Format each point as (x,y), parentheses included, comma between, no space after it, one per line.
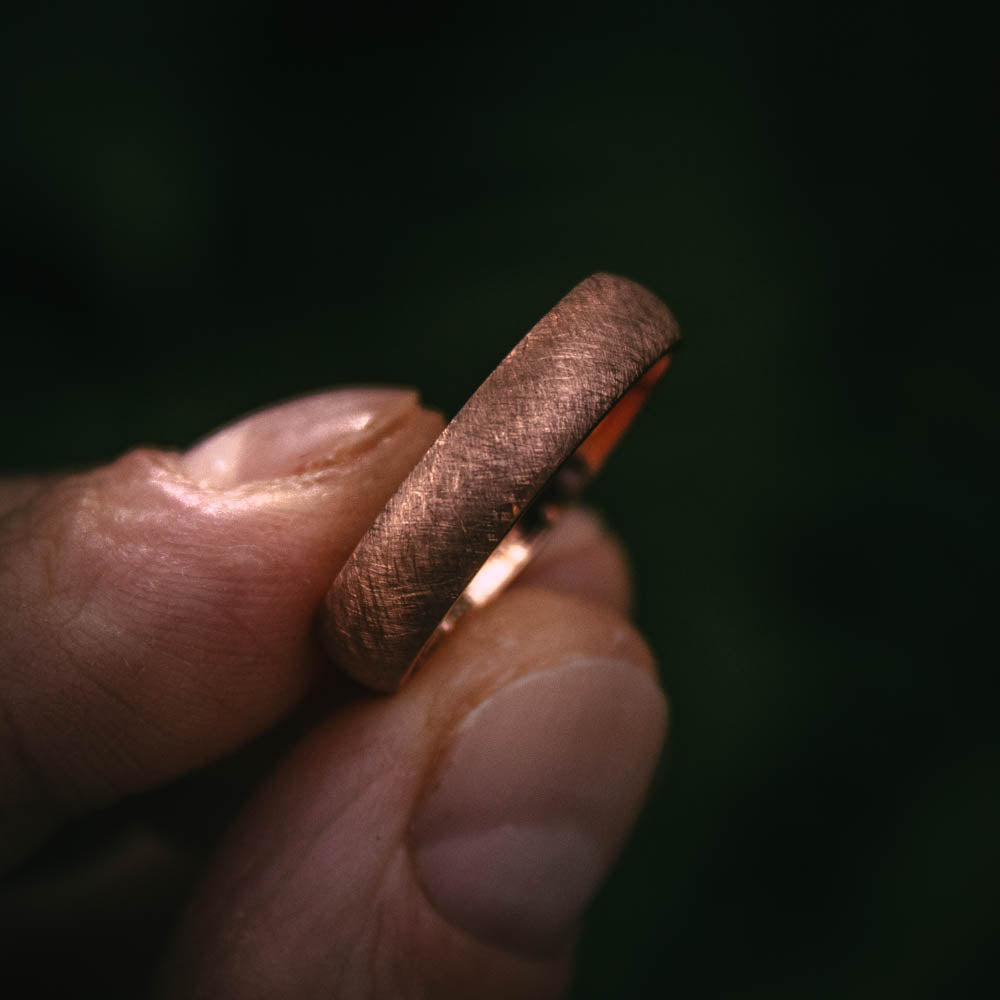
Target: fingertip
(162,616)
(582,558)
(528,628)
(452,833)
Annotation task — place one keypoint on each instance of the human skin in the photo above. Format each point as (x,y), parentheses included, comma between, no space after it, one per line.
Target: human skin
(160,612)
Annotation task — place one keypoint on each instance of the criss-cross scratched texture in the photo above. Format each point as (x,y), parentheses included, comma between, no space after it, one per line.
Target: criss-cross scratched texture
(485,468)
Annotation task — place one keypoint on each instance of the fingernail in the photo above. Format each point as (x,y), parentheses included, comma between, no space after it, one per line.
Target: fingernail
(534,798)
(297,436)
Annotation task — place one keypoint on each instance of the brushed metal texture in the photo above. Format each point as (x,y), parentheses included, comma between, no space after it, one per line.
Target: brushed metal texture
(485,469)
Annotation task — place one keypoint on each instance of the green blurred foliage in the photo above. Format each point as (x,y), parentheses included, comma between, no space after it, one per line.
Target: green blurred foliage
(208,209)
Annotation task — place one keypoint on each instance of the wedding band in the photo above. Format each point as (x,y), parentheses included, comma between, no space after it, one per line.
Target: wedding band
(469,515)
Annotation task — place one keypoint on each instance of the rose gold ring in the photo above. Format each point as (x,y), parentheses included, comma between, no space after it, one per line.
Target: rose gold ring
(472,511)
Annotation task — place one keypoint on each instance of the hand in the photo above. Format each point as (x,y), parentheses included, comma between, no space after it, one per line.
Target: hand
(159,613)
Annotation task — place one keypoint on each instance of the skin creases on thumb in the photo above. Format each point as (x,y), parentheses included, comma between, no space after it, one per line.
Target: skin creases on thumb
(160,607)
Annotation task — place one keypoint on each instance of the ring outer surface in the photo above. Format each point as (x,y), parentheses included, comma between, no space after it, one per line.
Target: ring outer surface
(485,468)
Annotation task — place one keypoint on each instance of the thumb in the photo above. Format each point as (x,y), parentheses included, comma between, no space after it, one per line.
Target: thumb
(157,611)
(445,841)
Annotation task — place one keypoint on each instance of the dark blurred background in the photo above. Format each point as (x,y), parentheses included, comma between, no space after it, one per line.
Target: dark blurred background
(206,207)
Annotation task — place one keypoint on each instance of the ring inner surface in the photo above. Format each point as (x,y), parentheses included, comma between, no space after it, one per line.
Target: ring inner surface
(522,541)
